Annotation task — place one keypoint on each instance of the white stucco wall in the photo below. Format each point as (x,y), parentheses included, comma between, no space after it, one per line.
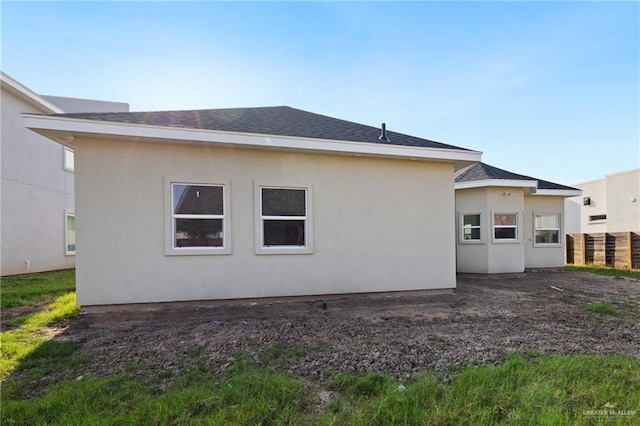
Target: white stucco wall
(378,224)
(541,256)
(491,256)
(473,256)
(617,196)
(506,257)
(623,201)
(36,191)
(597,192)
(87,105)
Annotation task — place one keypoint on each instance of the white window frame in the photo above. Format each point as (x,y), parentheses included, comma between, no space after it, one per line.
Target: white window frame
(68,165)
(170,248)
(462,228)
(494,227)
(67,215)
(558,229)
(260,248)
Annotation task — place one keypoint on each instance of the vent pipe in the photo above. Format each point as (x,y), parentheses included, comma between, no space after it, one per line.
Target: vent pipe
(383,133)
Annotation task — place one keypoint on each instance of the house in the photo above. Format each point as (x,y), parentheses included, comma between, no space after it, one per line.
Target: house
(611,204)
(37,215)
(255,202)
(507,222)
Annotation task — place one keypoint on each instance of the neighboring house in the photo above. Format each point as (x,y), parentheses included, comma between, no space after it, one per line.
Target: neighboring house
(611,204)
(37,216)
(255,202)
(508,222)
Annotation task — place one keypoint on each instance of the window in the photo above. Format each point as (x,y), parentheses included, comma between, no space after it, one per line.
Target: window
(505,226)
(597,217)
(283,220)
(70,234)
(198,219)
(547,229)
(471,227)
(69,158)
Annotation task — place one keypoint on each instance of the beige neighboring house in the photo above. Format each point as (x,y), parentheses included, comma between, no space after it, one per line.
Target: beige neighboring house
(37,214)
(508,222)
(254,203)
(611,204)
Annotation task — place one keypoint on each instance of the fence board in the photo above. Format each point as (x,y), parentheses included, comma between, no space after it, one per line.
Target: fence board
(616,249)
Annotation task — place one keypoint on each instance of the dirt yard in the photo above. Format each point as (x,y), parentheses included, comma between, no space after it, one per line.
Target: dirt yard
(486,318)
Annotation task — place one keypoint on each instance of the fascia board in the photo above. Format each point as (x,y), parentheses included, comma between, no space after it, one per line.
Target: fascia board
(497,182)
(28,95)
(63,128)
(559,192)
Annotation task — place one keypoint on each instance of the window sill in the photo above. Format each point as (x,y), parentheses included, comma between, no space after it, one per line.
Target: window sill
(192,251)
(284,250)
(471,242)
(505,241)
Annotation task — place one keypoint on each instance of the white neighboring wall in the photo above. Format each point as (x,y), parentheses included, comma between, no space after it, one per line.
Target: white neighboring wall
(611,204)
(37,191)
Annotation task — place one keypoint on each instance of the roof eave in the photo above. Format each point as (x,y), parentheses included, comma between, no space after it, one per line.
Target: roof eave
(65,129)
(559,192)
(509,183)
(28,95)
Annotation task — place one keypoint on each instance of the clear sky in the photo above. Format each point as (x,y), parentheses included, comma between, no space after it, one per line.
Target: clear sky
(546,89)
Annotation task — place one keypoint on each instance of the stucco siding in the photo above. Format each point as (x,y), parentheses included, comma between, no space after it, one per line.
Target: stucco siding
(36,191)
(539,256)
(473,257)
(378,224)
(623,201)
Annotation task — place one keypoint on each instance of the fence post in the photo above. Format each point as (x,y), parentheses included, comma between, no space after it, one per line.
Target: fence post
(630,250)
(583,249)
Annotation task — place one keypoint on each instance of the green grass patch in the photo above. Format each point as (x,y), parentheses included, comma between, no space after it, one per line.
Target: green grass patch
(603,308)
(545,390)
(602,270)
(20,290)
(524,390)
(31,332)
(249,394)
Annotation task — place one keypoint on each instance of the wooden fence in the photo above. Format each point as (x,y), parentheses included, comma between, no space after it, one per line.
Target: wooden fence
(615,249)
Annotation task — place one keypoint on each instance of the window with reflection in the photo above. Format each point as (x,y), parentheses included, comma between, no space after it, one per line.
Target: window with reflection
(505,226)
(471,227)
(283,215)
(547,229)
(198,215)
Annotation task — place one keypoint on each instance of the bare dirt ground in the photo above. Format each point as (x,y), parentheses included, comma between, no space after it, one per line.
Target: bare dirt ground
(485,319)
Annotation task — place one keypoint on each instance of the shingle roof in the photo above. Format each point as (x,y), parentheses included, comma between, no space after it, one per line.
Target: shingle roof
(482,171)
(278,121)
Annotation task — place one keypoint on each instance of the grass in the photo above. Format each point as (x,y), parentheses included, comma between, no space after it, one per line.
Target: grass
(523,390)
(527,388)
(602,308)
(20,290)
(603,270)
(31,333)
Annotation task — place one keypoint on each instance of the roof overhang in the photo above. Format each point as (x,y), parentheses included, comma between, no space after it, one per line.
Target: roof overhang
(66,130)
(559,192)
(510,183)
(530,187)
(28,95)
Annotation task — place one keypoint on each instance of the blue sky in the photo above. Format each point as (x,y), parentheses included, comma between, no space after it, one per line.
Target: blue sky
(545,89)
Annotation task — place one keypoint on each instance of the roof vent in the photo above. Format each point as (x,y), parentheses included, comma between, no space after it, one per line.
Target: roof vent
(383,133)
